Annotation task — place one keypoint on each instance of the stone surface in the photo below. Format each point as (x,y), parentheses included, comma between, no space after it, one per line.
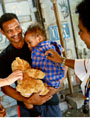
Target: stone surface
(63,106)
(76,101)
(9,104)
(75,113)
(11,111)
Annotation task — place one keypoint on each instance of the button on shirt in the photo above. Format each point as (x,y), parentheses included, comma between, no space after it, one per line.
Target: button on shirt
(54,72)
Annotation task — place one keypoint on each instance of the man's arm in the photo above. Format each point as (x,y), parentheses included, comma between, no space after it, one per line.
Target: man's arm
(35,99)
(8,90)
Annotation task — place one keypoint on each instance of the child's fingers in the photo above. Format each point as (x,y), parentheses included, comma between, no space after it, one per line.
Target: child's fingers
(19,74)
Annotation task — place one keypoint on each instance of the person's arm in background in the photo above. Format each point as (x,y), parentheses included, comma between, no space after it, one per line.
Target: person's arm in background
(55,57)
(11,78)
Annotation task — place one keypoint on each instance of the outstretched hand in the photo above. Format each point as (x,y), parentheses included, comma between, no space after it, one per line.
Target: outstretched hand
(13,77)
(53,56)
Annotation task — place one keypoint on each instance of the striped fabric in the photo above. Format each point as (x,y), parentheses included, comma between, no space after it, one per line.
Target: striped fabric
(54,72)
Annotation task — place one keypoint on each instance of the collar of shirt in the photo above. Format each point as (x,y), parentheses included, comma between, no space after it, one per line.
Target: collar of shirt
(41,44)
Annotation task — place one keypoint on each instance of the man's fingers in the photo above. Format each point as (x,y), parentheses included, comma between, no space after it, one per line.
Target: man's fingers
(19,74)
(29,106)
(46,98)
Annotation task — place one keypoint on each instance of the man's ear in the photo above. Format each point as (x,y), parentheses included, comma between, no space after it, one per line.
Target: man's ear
(2,31)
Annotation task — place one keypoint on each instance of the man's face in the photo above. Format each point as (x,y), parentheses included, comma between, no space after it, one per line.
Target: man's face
(12,30)
(84,34)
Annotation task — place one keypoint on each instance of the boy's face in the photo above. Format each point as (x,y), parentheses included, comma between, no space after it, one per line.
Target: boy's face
(12,30)
(32,40)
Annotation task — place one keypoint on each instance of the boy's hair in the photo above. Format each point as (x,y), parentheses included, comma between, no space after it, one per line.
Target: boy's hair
(6,17)
(83,9)
(36,29)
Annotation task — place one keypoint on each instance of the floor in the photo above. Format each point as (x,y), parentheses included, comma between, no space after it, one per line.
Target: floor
(75,113)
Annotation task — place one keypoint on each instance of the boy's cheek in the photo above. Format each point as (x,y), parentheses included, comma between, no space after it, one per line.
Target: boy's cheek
(30,48)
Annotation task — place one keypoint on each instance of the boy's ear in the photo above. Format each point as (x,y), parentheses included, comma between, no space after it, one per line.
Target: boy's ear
(2,31)
(40,38)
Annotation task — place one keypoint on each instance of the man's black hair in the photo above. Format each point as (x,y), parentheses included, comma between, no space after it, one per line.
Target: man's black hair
(83,9)
(6,17)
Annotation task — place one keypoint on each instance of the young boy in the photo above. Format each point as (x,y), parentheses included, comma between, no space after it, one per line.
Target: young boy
(55,73)
(35,39)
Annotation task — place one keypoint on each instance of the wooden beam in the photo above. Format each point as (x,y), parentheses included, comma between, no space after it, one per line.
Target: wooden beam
(57,15)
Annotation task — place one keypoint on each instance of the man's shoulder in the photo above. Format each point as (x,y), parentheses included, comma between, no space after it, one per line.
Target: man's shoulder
(8,49)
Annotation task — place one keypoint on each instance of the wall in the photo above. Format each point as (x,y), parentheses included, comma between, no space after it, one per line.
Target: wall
(83,52)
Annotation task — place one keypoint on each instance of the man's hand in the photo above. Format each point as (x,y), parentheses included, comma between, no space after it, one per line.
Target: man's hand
(28,106)
(36,99)
(53,56)
(53,91)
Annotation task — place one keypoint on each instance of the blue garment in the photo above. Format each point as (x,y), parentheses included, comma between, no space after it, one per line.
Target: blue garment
(54,72)
(42,111)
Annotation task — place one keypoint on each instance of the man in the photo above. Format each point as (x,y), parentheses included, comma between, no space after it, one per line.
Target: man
(81,66)
(10,27)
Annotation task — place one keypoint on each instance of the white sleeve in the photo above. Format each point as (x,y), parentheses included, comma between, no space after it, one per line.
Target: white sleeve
(81,72)
(80,69)
(87,63)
